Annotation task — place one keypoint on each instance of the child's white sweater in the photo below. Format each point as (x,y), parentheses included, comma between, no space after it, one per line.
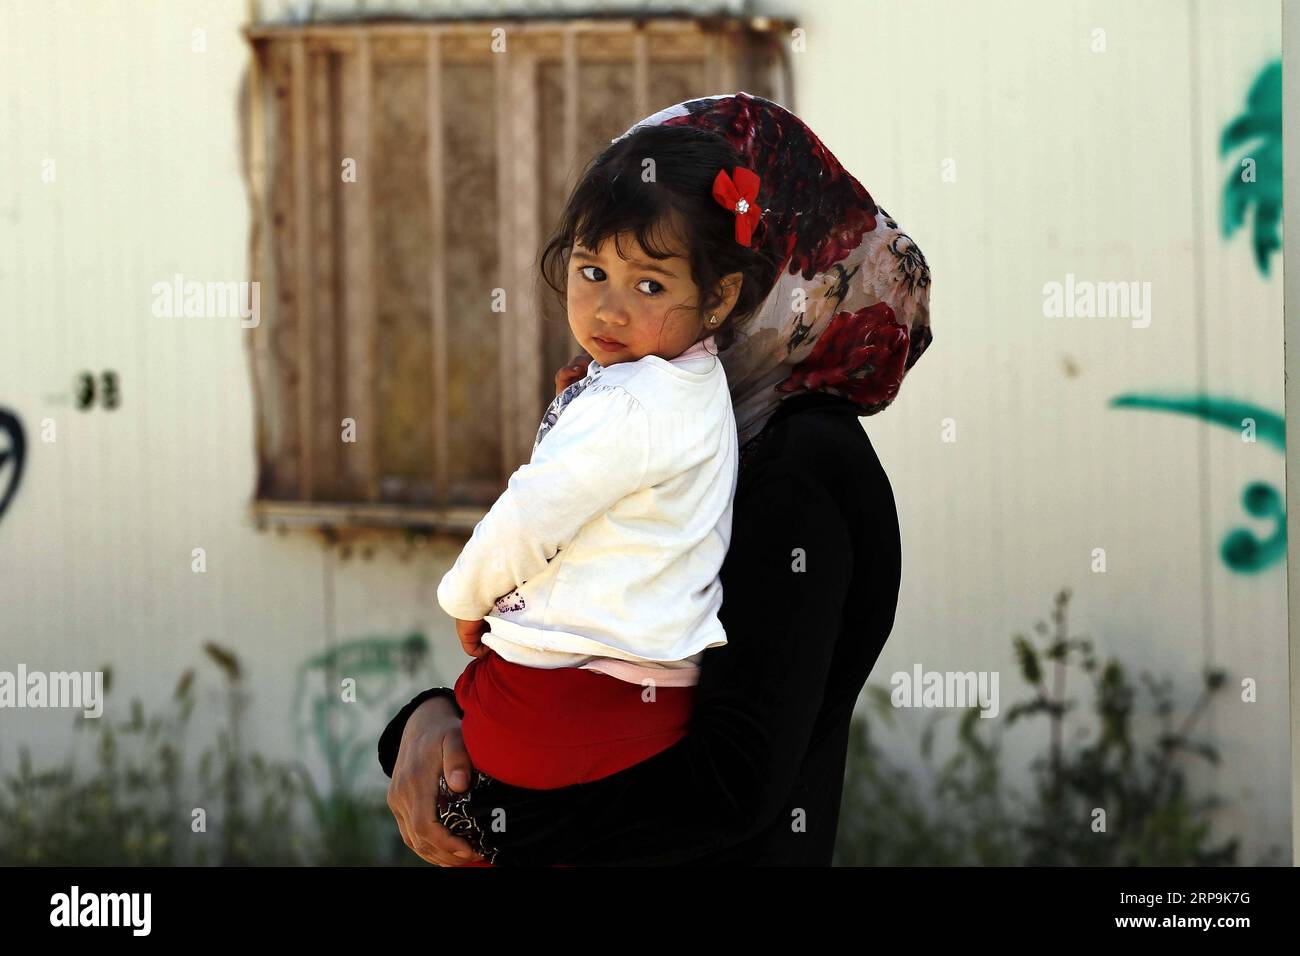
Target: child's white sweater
(608,543)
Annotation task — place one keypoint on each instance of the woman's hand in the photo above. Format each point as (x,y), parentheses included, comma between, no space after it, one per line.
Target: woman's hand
(431,745)
(575,370)
(471,637)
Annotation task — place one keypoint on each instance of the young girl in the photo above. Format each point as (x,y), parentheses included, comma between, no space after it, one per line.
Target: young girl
(589,592)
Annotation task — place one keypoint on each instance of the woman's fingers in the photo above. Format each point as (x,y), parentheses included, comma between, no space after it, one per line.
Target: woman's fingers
(435,843)
(419,849)
(426,836)
(404,828)
(413,790)
(455,761)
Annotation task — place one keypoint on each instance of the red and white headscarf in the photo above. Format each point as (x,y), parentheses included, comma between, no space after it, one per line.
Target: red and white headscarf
(850,311)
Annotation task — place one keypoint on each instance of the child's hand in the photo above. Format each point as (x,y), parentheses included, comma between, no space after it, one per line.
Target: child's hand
(575,370)
(470,633)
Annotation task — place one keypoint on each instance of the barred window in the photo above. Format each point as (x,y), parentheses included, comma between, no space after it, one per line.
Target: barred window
(403,178)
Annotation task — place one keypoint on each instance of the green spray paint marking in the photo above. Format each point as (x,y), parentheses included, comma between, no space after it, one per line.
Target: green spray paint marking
(1241,550)
(375,663)
(1257,183)
(1269,426)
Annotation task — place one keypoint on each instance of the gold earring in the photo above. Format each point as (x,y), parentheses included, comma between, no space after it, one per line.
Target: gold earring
(713,320)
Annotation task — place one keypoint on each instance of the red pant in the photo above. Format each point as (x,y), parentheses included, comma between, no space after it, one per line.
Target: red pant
(547,728)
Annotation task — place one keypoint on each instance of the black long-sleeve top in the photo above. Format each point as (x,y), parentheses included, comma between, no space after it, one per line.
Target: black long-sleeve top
(810,586)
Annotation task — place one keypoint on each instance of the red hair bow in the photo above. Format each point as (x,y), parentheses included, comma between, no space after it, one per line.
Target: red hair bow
(741,197)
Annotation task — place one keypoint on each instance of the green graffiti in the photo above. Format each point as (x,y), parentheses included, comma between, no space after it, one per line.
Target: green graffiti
(1241,550)
(1258,133)
(334,724)
(1230,413)
(1256,184)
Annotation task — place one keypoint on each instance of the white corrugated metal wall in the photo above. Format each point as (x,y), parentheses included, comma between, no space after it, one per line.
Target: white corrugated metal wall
(1013,151)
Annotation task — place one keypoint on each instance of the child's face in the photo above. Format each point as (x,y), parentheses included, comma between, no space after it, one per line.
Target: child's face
(621,310)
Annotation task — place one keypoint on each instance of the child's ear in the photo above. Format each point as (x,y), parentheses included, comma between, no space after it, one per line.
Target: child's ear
(729,291)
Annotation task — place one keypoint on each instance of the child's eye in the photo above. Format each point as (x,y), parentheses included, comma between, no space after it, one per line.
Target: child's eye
(583,271)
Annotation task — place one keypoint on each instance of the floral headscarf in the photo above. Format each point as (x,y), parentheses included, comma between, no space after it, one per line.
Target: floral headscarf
(850,311)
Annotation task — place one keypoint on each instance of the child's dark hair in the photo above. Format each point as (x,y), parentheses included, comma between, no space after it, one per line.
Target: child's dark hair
(612,197)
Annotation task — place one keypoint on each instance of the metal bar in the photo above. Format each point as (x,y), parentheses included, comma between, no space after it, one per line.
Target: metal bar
(303,267)
(437,277)
(368,424)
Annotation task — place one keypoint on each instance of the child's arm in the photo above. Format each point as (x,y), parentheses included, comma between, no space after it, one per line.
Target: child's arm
(596,453)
